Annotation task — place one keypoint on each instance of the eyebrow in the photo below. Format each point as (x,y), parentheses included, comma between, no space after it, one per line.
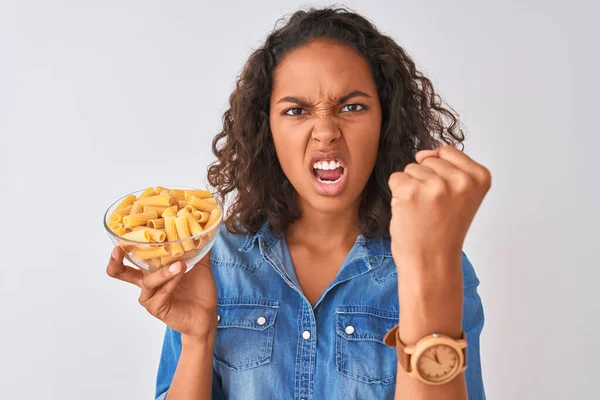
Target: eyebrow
(304,103)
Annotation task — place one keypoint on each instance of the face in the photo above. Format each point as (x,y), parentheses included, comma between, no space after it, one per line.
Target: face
(325,118)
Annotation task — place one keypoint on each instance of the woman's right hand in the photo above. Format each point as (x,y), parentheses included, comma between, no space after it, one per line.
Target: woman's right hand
(186,302)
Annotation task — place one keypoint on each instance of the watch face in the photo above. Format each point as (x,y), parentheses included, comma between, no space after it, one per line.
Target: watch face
(438,363)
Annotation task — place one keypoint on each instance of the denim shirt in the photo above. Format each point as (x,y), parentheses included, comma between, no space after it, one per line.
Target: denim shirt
(272,344)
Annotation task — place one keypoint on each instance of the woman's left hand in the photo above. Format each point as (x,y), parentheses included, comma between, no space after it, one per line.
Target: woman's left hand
(433,204)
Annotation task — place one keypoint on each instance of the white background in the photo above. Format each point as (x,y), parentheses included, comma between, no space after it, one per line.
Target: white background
(100,98)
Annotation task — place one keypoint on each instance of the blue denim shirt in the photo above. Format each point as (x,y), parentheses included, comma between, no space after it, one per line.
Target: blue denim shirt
(272,344)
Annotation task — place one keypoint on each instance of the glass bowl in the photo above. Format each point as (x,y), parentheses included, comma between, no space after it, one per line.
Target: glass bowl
(154,255)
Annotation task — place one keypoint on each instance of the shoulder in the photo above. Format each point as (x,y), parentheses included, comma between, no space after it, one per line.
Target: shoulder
(234,249)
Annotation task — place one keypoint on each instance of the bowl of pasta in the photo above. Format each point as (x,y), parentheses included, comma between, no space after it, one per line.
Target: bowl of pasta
(158,226)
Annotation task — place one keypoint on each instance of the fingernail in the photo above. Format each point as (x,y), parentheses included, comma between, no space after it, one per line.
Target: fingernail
(174,268)
(114,254)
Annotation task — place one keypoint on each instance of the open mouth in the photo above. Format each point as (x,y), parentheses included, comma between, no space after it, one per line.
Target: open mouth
(328,172)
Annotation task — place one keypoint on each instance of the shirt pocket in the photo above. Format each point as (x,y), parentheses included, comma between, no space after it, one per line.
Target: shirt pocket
(360,351)
(245,332)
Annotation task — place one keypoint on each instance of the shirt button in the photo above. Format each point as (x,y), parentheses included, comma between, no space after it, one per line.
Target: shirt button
(265,244)
(306,335)
(373,259)
(218,318)
(349,330)
(261,321)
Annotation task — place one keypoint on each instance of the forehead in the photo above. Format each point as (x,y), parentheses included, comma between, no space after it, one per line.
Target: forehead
(322,69)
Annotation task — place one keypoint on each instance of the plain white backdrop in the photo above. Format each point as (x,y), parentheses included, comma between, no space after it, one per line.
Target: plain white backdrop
(99,98)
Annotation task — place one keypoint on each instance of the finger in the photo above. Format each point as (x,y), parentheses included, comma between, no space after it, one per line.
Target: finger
(116,269)
(423,154)
(398,179)
(442,168)
(464,162)
(419,172)
(151,282)
(156,303)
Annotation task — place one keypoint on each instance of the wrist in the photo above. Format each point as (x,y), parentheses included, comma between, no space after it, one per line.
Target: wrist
(430,293)
(198,343)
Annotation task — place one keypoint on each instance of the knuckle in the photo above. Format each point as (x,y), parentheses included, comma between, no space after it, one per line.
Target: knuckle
(484,176)
(462,183)
(437,187)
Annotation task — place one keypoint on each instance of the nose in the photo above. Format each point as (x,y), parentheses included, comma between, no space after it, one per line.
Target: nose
(326,131)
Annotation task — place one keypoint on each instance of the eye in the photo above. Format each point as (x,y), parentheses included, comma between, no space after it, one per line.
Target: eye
(353,107)
(293,114)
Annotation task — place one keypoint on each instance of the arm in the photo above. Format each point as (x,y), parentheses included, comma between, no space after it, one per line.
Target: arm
(433,204)
(422,312)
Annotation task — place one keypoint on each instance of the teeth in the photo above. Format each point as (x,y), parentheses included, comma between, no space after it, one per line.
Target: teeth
(329,182)
(326,165)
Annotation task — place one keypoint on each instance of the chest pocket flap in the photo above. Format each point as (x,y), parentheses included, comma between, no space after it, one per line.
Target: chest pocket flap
(360,351)
(245,332)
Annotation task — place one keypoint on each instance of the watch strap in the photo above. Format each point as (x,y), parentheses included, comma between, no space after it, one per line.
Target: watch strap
(392,339)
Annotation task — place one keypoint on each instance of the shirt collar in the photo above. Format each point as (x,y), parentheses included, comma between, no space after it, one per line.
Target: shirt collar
(371,251)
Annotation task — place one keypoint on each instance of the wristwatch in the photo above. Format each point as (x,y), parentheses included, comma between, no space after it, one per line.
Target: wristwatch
(434,359)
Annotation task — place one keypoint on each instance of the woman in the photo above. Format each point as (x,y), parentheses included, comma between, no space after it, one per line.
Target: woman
(327,246)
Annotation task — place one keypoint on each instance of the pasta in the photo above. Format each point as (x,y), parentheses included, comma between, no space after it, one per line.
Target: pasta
(158,223)
(139,219)
(147,225)
(176,249)
(183,232)
(159,200)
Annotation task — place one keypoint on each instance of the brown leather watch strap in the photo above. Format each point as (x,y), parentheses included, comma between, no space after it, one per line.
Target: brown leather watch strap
(392,339)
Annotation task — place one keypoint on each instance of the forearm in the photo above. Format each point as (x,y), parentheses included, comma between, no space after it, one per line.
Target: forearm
(425,309)
(193,376)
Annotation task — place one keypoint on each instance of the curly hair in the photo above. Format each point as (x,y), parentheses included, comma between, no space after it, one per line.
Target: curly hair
(247,167)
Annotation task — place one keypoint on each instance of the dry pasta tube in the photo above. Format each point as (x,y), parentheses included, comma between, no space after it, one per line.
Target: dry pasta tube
(178,194)
(123,211)
(160,200)
(150,252)
(127,201)
(115,218)
(193,225)
(175,248)
(201,204)
(165,192)
(169,212)
(181,204)
(156,235)
(139,219)
(201,216)
(147,193)
(158,209)
(211,200)
(136,209)
(190,209)
(214,217)
(158,189)
(201,194)
(137,236)
(183,232)
(158,223)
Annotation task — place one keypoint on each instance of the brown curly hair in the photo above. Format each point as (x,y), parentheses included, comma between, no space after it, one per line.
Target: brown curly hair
(247,167)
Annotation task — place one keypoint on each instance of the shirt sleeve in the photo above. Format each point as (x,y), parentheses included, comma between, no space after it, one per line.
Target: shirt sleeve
(169,358)
(473,320)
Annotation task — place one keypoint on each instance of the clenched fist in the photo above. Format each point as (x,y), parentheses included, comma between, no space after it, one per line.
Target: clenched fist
(434,202)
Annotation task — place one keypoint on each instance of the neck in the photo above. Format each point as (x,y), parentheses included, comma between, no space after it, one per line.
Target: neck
(318,229)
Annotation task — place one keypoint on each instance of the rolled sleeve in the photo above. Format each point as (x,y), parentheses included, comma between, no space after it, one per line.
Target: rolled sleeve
(169,358)
(473,321)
